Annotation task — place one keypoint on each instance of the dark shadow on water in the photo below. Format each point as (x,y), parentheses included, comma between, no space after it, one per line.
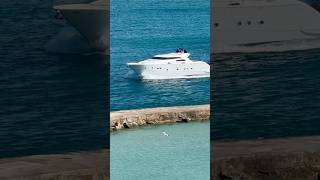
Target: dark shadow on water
(265,95)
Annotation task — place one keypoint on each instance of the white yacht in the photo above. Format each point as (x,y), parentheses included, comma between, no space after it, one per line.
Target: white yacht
(250,23)
(90,19)
(170,66)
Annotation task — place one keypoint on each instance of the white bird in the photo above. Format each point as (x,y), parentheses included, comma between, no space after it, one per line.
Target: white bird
(165,134)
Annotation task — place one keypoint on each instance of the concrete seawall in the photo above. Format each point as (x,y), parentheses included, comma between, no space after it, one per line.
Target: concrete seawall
(134,118)
(73,166)
(282,159)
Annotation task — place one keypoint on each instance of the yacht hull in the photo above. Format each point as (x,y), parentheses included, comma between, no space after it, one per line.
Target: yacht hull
(90,21)
(251,23)
(171,71)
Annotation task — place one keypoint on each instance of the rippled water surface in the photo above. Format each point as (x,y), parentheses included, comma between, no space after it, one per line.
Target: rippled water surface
(49,102)
(140,29)
(264,95)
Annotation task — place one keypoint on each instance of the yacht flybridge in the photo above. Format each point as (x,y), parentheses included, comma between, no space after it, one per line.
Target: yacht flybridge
(90,19)
(250,23)
(170,66)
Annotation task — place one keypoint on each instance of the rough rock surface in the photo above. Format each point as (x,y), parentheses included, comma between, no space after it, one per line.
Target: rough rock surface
(274,159)
(133,118)
(75,166)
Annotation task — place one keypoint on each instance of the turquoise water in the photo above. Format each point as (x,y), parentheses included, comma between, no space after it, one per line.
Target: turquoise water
(143,28)
(145,153)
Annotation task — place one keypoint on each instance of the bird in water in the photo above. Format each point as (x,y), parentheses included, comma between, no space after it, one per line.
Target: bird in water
(165,134)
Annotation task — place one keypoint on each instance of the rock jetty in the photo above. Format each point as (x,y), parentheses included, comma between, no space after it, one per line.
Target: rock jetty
(93,165)
(282,159)
(135,118)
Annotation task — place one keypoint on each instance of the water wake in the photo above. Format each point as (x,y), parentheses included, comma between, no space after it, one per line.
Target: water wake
(69,41)
(131,75)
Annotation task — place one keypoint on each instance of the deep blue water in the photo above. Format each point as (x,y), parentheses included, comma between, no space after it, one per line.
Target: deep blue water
(266,95)
(143,28)
(49,102)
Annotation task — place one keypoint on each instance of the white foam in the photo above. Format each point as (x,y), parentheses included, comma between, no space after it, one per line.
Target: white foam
(157,77)
(69,41)
(131,75)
